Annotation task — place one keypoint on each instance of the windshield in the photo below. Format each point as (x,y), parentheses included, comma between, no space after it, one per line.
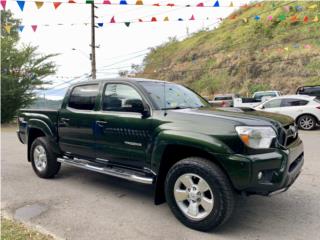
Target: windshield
(176,96)
(259,96)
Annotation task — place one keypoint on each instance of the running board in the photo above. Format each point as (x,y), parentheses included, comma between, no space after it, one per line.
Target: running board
(111,171)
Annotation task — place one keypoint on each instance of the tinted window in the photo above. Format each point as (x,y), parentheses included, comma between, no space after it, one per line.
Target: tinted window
(222,98)
(259,96)
(273,103)
(83,97)
(291,102)
(121,97)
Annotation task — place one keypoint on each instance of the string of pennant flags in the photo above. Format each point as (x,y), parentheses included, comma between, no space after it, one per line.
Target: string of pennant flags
(215,4)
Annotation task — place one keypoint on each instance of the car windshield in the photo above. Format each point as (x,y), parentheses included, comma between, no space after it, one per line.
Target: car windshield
(221,98)
(176,96)
(259,96)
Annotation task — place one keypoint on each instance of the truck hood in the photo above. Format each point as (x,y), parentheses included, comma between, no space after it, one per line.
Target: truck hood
(246,116)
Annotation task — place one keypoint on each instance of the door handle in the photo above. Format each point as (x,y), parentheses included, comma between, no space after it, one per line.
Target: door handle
(65,119)
(101,123)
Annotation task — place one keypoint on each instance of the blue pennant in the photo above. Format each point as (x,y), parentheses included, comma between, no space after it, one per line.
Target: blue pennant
(21,27)
(123,2)
(21,5)
(100,24)
(217,4)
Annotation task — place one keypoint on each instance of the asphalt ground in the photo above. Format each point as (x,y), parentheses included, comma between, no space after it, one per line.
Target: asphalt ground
(80,204)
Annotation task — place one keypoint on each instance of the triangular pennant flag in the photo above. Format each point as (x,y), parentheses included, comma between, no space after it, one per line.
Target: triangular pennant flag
(140,20)
(286,48)
(139,2)
(305,19)
(21,5)
(166,19)
(170,5)
(71,1)
(294,19)
(180,19)
(34,27)
(286,8)
(123,2)
(257,17)
(39,4)
(270,18)
(299,8)
(314,6)
(282,17)
(112,20)
(56,4)
(7,28)
(153,19)
(245,20)
(3,4)
(156,4)
(106,2)
(127,24)
(200,5)
(100,24)
(21,27)
(316,19)
(192,17)
(216,4)
(89,1)
(188,5)
(231,4)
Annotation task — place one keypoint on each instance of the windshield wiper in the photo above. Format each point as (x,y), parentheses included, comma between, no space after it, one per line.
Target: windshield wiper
(173,108)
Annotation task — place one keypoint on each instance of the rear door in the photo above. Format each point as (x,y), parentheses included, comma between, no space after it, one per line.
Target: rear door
(77,121)
(293,107)
(123,134)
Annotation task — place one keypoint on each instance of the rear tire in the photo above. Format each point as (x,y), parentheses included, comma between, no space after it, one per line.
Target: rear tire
(307,122)
(202,211)
(43,159)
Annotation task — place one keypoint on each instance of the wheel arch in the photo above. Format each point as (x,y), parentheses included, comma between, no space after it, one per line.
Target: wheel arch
(173,153)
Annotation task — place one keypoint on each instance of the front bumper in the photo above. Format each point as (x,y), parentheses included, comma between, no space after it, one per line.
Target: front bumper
(266,173)
(277,173)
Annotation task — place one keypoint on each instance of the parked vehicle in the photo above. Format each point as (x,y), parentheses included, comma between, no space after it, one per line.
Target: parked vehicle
(256,99)
(223,100)
(309,90)
(161,133)
(305,110)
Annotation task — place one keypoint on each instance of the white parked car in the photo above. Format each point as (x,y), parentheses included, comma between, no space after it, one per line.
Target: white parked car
(304,109)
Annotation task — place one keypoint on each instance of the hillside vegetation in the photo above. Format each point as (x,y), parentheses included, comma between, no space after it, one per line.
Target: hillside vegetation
(243,55)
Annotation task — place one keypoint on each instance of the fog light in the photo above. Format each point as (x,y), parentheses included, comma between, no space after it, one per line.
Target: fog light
(260,175)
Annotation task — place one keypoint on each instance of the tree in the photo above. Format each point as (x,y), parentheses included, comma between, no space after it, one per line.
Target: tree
(22,69)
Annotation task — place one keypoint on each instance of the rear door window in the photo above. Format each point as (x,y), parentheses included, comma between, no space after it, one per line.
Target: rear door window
(292,102)
(83,97)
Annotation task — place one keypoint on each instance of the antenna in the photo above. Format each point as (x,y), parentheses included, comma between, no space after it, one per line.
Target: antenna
(164,98)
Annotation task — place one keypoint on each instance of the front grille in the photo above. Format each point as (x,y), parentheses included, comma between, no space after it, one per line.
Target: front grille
(287,134)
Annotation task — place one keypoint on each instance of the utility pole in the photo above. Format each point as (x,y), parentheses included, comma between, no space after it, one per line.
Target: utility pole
(93,43)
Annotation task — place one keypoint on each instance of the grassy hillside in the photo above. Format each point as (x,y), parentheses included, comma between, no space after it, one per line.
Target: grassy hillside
(244,57)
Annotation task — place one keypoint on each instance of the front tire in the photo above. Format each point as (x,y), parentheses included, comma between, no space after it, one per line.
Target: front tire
(199,194)
(307,122)
(43,159)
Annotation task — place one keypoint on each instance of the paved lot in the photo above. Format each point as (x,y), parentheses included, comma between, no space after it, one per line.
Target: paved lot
(78,204)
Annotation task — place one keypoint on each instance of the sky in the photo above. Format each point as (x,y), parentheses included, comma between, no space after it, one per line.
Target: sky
(119,46)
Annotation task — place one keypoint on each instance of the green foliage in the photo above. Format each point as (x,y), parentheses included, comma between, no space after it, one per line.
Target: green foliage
(244,57)
(22,70)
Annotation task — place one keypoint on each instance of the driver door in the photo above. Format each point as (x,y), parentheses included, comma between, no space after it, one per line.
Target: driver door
(122,132)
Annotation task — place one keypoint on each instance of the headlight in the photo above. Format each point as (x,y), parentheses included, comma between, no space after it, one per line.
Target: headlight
(256,137)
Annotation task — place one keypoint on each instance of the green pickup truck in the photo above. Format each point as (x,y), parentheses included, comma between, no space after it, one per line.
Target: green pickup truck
(160,133)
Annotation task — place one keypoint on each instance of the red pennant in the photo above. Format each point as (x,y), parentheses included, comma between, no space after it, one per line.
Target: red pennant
(34,27)
(153,19)
(71,1)
(156,4)
(170,5)
(112,20)
(200,5)
(106,2)
(305,19)
(56,4)
(192,17)
(140,20)
(3,4)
